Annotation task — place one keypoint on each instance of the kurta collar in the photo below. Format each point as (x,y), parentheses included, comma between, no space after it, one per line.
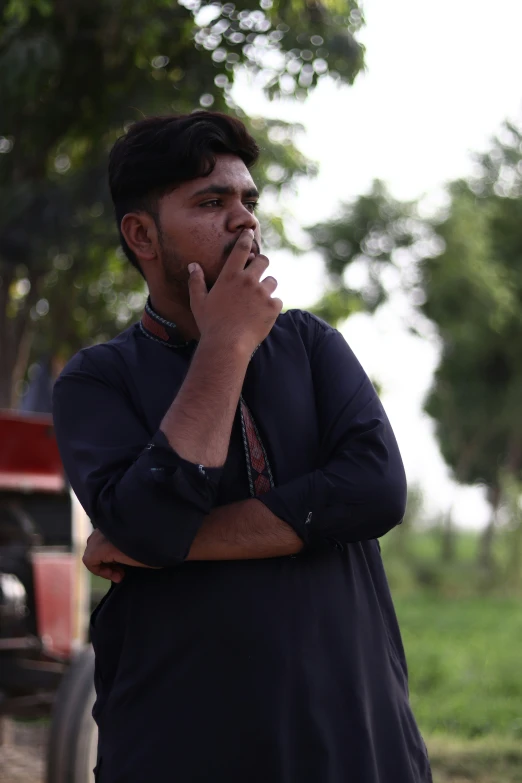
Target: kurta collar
(158,328)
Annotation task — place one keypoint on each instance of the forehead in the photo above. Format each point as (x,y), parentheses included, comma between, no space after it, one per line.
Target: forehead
(229,172)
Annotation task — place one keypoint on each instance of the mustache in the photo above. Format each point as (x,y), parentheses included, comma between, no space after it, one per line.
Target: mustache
(231,245)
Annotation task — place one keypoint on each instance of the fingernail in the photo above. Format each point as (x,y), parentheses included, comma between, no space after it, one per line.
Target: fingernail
(192,268)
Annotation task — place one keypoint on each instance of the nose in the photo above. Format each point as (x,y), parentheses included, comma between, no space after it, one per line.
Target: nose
(240,217)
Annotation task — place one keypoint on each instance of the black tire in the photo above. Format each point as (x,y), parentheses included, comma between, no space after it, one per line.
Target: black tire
(71,754)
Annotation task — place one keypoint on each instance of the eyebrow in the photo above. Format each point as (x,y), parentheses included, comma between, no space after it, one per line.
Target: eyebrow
(226,190)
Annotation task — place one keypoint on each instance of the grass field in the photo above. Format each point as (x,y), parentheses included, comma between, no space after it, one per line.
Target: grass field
(485,760)
(464,659)
(466,684)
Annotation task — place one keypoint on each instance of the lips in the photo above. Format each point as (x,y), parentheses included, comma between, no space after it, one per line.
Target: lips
(255,251)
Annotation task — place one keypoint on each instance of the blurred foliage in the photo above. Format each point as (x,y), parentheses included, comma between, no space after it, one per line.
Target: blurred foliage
(363,244)
(461,645)
(462,270)
(463,664)
(72,76)
(474,296)
(416,562)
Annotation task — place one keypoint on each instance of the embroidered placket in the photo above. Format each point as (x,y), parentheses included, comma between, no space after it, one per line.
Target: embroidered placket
(260,479)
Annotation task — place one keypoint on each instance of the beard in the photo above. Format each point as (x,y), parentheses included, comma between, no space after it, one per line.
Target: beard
(175,267)
(175,271)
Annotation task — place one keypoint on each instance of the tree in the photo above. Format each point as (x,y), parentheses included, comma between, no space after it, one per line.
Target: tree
(72,74)
(361,246)
(463,272)
(474,296)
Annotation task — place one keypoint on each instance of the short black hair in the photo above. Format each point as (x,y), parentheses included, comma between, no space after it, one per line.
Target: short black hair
(158,153)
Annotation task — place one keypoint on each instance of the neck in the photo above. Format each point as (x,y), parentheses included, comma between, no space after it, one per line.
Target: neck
(176,309)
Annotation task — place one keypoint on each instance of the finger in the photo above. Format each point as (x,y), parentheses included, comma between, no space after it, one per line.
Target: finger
(259,265)
(270,284)
(94,558)
(238,257)
(277,304)
(106,571)
(197,287)
(100,570)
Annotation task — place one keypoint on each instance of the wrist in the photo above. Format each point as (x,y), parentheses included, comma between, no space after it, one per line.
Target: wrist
(230,347)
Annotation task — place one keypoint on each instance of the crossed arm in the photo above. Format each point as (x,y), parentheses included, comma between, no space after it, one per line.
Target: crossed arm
(156,509)
(246,530)
(197,427)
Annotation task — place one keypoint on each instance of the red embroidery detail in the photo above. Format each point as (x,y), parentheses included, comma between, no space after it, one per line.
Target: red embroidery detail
(261,485)
(261,481)
(257,457)
(153,326)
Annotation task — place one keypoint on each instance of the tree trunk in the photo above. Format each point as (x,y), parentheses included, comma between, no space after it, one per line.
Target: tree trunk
(16,334)
(447,550)
(514,565)
(6,280)
(486,559)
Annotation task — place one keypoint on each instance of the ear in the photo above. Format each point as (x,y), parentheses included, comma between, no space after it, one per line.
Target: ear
(140,233)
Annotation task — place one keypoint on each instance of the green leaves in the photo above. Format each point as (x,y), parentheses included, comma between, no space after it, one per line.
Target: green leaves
(18,11)
(72,75)
(360,247)
(463,272)
(474,293)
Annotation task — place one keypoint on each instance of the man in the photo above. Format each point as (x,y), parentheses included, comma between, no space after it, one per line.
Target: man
(238,467)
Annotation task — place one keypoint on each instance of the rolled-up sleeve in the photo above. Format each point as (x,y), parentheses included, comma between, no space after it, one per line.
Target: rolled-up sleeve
(144,497)
(358,491)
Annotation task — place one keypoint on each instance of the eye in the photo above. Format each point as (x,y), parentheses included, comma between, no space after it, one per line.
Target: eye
(214,202)
(252,205)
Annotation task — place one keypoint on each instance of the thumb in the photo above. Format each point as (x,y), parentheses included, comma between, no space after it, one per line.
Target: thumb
(197,286)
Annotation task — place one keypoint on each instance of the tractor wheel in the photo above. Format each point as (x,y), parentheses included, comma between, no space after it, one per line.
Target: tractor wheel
(73,739)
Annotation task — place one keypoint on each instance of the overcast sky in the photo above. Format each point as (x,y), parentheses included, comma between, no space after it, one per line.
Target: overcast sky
(441,77)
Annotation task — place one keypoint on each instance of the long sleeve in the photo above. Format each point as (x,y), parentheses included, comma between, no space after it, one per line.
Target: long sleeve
(358,491)
(148,501)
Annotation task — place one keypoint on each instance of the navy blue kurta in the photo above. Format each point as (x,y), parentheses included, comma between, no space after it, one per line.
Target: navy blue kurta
(283,670)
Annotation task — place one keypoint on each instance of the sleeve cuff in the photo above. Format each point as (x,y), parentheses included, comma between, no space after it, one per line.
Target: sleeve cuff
(293,504)
(196,484)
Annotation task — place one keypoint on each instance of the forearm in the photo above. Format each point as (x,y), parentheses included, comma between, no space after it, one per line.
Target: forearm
(239,531)
(199,421)
(244,531)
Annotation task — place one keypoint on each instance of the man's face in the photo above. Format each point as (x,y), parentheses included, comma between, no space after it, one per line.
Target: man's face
(201,220)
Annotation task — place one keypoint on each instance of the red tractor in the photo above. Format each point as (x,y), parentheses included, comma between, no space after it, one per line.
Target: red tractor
(46,664)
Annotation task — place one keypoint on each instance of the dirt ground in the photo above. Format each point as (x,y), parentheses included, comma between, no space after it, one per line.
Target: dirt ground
(22,752)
